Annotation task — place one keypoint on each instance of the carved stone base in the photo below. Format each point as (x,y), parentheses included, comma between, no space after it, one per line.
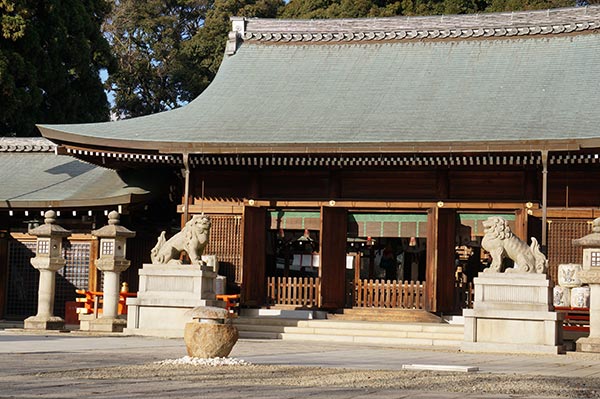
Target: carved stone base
(107,324)
(511,314)
(44,323)
(166,296)
(588,344)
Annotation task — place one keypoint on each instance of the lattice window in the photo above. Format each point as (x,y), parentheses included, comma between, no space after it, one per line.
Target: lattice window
(107,248)
(560,248)
(226,242)
(23,279)
(595,259)
(73,276)
(43,247)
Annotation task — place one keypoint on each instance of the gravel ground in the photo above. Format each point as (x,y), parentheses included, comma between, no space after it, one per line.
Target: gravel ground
(293,376)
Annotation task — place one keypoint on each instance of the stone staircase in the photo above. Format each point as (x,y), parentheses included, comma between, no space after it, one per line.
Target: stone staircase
(386,315)
(351,331)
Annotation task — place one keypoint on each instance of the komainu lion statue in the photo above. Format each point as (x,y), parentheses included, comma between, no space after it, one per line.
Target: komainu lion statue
(500,242)
(192,239)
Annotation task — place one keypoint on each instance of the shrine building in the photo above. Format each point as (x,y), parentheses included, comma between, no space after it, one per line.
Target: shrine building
(351,163)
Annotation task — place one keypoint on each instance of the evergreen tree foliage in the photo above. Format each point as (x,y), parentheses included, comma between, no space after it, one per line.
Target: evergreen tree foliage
(169,51)
(308,9)
(146,37)
(51,53)
(202,55)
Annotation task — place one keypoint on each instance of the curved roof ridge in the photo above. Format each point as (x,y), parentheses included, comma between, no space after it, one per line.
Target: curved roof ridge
(522,23)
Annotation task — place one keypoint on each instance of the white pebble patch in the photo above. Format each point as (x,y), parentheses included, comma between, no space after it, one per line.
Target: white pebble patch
(196,361)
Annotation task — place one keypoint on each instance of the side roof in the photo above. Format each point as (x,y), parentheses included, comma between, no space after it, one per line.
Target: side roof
(34,177)
(487,82)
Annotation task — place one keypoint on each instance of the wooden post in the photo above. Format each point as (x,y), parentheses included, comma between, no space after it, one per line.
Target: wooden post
(254,256)
(93,271)
(3,271)
(544,201)
(521,224)
(334,226)
(439,282)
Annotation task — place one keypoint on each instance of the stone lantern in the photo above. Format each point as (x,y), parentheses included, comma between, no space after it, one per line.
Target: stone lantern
(112,262)
(590,274)
(48,260)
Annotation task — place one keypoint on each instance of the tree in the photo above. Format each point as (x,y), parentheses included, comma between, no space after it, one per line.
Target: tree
(514,5)
(378,8)
(202,55)
(169,51)
(146,37)
(51,53)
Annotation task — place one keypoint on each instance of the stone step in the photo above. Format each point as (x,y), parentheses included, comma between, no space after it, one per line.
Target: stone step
(375,333)
(384,333)
(259,335)
(384,314)
(272,321)
(370,340)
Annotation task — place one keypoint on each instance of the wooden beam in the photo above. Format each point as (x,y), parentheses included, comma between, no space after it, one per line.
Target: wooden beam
(569,213)
(390,205)
(225,208)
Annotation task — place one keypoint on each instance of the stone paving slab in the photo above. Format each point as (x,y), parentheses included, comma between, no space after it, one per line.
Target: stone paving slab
(25,355)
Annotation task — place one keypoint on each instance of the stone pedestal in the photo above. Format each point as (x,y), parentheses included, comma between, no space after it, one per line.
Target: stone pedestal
(166,296)
(512,314)
(592,342)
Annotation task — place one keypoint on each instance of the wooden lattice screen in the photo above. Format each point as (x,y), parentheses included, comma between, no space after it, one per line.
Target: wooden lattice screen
(560,248)
(226,242)
(24,279)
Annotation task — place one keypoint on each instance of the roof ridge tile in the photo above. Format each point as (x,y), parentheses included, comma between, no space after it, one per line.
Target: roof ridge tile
(26,144)
(522,23)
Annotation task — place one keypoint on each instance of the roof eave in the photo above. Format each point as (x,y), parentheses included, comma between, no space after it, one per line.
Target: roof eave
(73,203)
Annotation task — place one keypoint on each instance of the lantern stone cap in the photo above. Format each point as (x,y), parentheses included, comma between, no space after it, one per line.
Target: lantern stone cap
(592,239)
(49,228)
(113,229)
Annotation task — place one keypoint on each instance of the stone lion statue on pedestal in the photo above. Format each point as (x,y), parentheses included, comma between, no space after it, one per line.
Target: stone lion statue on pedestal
(500,242)
(192,239)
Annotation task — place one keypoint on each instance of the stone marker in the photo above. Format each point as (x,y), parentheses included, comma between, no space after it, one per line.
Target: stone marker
(211,334)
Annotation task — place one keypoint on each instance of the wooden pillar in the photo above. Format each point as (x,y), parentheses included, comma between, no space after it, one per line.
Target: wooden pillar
(334,227)
(3,271)
(521,224)
(92,270)
(254,256)
(442,184)
(439,281)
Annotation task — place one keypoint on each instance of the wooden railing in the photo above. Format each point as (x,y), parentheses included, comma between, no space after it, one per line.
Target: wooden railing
(389,294)
(303,292)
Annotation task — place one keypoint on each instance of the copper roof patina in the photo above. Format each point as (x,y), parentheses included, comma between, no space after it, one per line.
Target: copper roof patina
(523,81)
(40,179)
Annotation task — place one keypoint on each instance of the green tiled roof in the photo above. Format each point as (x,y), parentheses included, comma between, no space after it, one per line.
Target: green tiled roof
(32,177)
(527,90)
